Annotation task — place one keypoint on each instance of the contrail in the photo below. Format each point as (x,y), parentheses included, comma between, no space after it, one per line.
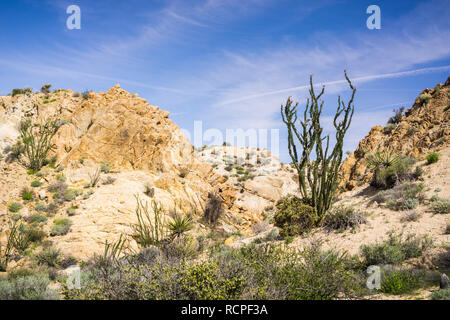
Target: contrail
(365,78)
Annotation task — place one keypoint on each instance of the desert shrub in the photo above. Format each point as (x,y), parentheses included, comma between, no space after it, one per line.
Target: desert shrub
(36,183)
(37,219)
(71,211)
(440,205)
(406,196)
(25,235)
(52,208)
(395,249)
(397,117)
(389,128)
(180,225)
(26,194)
(76,94)
(213,208)
(183,247)
(104,167)
(40,207)
(93,179)
(14,152)
(149,231)
(251,272)
(33,287)
(60,227)
(16,92)
(447,108)
(411,216)
(46,88)
(293,216)
(433,157)
(389,169)
(343,218)
(260,226)
(14,206)
(425,97)
(400,281)
(49,256)
(58,187)
(36,138)
(442,294)
(109,180)
(20,273)
(85,94)
(6,251)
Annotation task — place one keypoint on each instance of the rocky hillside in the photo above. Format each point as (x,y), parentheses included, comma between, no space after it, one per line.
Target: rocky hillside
(136,144)
(260,176)
(424,127)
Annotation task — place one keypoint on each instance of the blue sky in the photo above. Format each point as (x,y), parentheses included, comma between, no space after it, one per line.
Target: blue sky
(231,63)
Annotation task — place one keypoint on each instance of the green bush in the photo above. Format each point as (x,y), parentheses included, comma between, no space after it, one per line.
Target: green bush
(36,138)
(405,196)
(60,227)
(49,256)
(440,205)
(343,218)
(252,272)
(395,249)
(442,294)
(104,168)
(397,117)
(26,194)
(37,219)
(400,281)
(388,169)
(180,225)
(433,157)
(293,216)
(425,97)
(389,128)
(46,88)
(14,206)
(34,287)
(36,183)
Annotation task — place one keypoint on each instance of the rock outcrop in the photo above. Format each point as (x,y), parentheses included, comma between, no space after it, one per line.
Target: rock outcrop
(424,127)
(140,145)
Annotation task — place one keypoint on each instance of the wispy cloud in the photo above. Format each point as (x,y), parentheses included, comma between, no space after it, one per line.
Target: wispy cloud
(336,82)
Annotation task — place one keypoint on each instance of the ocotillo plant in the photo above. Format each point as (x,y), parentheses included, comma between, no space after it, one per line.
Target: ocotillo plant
(36,138)
(317,178)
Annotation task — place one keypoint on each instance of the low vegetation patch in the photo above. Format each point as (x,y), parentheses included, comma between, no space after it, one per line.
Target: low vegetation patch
(343,218)
(400,281)
(433,157)
(60,227)
(440,205)
(253,272)
(293,216)
(442,294)
(395,249)
(390,169)
(406,196)
(33,287)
